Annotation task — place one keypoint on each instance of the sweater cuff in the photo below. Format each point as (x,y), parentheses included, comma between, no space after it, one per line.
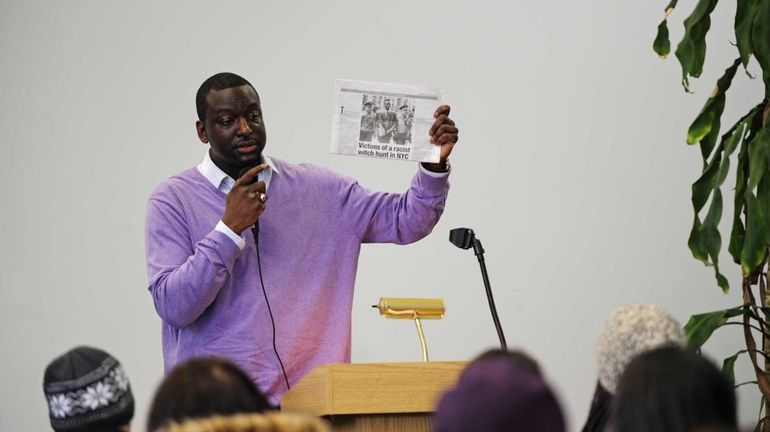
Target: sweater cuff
(431,183)
(237,239)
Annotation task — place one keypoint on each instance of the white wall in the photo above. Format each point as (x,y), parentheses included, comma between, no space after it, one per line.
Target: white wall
(572,169)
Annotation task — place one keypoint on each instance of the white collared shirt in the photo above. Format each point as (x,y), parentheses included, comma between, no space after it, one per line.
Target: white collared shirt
(220,180)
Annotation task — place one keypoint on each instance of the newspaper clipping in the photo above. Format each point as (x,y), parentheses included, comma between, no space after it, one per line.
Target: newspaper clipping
(385,121)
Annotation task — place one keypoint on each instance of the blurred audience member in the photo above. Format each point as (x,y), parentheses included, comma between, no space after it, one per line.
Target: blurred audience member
(719,429)
(270,422)
(520,358)
(500,391)
(674,390)
(631,330)
(203,387)
(88,391)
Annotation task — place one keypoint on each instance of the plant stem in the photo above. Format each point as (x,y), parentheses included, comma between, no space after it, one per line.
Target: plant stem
(766,298)
(764,335)
(765,339)
(744,383)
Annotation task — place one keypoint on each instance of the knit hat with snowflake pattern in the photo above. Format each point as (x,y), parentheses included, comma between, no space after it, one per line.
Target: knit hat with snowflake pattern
(632,330)
(86,389)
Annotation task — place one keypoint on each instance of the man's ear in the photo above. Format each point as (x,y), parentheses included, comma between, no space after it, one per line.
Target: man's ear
(202,134)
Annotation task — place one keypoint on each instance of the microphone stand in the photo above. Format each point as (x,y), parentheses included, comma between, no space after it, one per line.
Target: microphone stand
(478,249)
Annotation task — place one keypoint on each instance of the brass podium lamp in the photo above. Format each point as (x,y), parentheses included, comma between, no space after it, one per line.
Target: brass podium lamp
(414,309)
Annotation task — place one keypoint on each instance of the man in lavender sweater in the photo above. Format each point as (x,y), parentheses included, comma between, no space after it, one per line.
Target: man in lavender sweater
(278,304)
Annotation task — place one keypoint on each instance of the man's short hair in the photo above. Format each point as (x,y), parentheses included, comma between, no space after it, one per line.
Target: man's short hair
(220,81)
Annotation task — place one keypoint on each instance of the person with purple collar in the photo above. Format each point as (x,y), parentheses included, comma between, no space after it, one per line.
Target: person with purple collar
(254,259)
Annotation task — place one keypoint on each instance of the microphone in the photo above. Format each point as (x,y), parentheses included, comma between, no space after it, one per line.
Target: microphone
(255,228)
(464,238)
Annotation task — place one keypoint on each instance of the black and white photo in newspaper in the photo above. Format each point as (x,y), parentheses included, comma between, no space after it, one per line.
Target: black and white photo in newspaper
(383,120)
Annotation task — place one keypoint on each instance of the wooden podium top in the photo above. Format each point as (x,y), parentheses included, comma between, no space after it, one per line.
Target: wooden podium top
(372,388)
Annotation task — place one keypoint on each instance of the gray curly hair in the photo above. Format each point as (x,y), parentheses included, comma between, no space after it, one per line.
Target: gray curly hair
(630,331)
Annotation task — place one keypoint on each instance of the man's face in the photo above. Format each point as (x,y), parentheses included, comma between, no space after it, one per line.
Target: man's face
(368,109)
(234,127)
(387,105)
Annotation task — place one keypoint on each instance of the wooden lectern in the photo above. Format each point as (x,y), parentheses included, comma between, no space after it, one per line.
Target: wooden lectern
(374,397)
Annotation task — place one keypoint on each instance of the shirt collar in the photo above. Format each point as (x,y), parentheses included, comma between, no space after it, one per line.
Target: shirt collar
(220,180)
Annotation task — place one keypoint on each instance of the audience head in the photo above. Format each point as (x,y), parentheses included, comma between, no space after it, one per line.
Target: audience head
(204,387)
(675,390)
(500,391)
(630,331)
(599,413)
(88,391)
(518,358)
(270,422)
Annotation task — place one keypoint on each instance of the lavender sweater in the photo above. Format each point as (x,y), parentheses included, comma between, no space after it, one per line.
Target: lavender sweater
(207,291)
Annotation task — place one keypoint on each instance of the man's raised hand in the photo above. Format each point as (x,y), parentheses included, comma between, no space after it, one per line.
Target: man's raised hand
(443,132)
(246,201)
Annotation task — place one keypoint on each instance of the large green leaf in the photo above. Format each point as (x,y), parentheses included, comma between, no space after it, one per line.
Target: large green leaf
(760,41)
(691,50)
(697,243)
(763,199)
(705,241)
(739,135)
(714,214)
(735,135)
(737,233)
(662,45)
(754,244)
(759,150)
(712,240)
(705,127)
(721,280)
(728,366)
(724,166)
(700,241)
(700,327)
(703,187)
(744,16)
(702,124)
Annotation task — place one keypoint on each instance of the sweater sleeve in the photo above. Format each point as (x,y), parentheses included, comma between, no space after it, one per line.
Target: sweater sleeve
(185,278)
(380,217)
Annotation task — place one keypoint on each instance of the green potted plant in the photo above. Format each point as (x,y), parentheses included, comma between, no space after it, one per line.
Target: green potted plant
(744,148)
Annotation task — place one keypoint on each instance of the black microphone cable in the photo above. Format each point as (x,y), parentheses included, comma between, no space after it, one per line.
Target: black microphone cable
(255,231)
